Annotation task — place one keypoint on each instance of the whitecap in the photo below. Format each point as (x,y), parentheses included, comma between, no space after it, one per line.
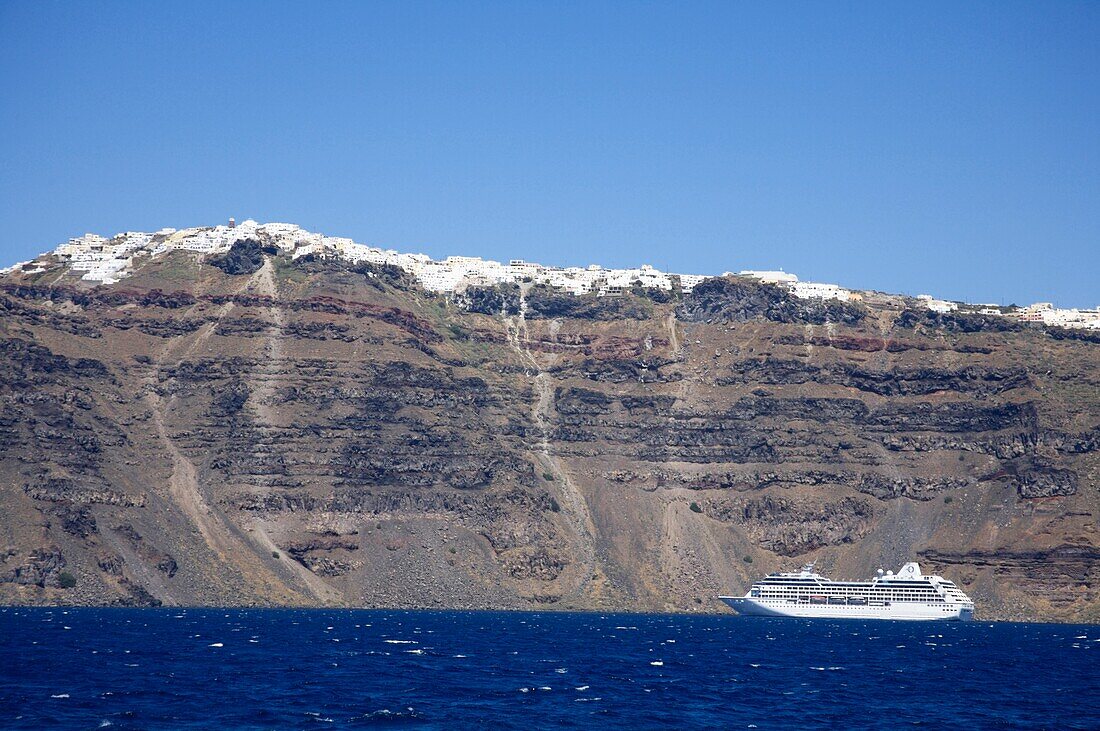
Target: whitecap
(415,652)
(545,687)
(561,671)
(60,695)
(400,642)
(658,663)
(216,644)
(587,700)
(581,687)
(754,665)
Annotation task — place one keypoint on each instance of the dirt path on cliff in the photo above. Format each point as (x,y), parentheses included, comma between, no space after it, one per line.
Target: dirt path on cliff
(219,533)
(673,336)
(263,387)
(262,383)
(322,591)
(225,540)
(574,506)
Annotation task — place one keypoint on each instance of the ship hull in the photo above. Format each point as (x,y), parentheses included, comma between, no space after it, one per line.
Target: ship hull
(903,611)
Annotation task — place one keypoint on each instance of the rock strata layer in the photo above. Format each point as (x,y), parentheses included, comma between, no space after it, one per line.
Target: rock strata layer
(249,430)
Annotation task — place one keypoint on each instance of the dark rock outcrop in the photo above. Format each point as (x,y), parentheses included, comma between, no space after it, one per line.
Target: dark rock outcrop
(162,561)
(229,399)
(502,299)
(739,299)
(245,256)
(40,568)
(791,528)
(544,302)
(897,382)
(957,322)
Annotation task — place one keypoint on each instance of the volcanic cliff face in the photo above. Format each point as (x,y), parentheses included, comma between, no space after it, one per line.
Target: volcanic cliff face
(251,430)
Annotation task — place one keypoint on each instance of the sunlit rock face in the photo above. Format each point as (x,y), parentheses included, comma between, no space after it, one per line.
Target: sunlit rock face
(244,426)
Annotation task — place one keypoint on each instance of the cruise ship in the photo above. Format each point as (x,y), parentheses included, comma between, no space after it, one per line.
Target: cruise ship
(906,595)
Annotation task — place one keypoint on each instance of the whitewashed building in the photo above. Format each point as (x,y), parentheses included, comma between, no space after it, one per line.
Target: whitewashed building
(942,306)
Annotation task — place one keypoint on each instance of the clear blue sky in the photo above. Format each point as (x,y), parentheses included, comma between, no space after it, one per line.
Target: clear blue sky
(950,148)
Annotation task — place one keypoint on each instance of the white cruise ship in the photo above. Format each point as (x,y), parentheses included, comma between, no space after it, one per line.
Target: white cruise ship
(908,595)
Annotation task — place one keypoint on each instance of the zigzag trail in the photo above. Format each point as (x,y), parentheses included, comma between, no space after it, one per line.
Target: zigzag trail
(575,508)
(222,537)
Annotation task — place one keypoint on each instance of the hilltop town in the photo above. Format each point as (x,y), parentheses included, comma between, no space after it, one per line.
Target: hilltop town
(108,260)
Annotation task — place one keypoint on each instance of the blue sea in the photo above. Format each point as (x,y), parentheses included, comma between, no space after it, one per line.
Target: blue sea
(315,669)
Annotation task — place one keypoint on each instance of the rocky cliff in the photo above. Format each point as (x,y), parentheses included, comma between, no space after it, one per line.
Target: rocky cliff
(248,430)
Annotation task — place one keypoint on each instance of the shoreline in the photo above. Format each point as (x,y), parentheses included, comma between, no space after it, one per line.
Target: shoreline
(4,608)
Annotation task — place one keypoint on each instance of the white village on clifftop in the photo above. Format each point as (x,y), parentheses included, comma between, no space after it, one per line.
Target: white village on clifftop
(110,260)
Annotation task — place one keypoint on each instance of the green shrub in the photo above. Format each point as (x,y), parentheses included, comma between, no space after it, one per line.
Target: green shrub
(947,499)
(748,559)
(274,554)
(66,580)
(554,507)
(548,476)
(695,508)
(452,549)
